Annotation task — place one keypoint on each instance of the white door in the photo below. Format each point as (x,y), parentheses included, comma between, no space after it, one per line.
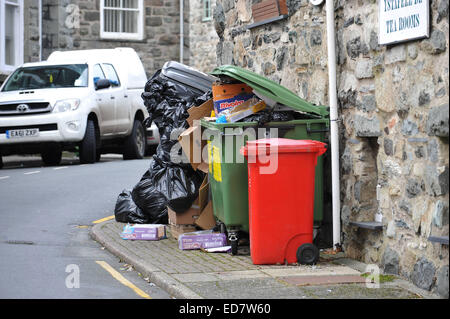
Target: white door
(122,102)
(105,102)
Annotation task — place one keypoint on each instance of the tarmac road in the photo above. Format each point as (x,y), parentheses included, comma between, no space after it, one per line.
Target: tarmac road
(45,217)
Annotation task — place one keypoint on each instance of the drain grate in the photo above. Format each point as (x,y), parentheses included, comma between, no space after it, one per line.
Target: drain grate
(19,242)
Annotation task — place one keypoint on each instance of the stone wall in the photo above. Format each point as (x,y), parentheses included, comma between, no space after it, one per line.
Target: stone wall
(31,31)
(202,38)
(393,107)
(161,32)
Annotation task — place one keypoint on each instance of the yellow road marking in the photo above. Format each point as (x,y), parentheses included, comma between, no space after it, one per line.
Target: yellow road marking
(103,219)
(122,279)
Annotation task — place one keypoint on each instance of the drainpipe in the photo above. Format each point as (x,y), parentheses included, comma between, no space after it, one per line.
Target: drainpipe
(40,30)
(181,30)
(334,137)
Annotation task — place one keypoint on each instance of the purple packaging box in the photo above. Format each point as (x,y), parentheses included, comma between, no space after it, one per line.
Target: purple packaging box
(144,232)
(201,239)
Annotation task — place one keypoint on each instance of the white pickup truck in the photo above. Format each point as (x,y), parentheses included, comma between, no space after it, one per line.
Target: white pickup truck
(86,101)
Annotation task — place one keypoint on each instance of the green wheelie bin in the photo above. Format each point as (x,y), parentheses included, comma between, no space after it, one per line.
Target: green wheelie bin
(228,168)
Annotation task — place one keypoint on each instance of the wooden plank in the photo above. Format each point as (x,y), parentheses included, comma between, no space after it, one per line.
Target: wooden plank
(265,10)
(264,16)
(266,21)
(263,4)
(283,7)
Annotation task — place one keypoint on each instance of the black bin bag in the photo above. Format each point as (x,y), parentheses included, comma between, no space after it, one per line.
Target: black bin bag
(126,210)
(165,183)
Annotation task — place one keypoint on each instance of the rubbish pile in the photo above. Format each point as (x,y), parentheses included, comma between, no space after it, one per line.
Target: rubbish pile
(166,184)
(185,192)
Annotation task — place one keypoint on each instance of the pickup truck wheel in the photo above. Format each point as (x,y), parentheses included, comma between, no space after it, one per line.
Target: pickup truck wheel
(135,143)
(51,155)
(88,147)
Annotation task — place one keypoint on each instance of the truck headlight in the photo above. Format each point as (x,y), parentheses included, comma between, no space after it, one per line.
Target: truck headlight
(66,105)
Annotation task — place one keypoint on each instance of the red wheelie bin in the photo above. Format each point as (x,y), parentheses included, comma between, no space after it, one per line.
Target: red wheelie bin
(281,199)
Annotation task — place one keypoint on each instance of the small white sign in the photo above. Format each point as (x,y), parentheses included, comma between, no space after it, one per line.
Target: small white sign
(403,20)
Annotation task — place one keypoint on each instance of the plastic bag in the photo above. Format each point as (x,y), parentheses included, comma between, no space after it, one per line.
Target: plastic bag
(178,182)
(126,210)
(165,183)
(150,201)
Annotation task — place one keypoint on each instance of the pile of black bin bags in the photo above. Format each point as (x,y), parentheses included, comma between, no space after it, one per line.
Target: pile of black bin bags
(165,183)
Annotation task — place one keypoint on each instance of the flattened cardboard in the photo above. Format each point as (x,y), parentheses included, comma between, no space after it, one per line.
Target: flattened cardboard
(198,112)
(206,220)
(192,145)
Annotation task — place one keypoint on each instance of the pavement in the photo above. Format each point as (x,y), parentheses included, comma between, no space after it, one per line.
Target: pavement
(194,274)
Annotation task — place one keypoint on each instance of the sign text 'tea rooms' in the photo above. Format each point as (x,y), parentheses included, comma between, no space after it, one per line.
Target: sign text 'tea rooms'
(402,20)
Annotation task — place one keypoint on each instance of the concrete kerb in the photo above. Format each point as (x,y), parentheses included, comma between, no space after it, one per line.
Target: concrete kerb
(155,275)
(177,289)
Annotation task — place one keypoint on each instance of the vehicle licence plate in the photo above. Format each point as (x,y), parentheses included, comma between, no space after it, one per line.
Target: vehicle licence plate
(29,132)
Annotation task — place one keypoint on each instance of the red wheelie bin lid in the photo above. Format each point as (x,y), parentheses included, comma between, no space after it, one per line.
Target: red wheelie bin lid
(282,145)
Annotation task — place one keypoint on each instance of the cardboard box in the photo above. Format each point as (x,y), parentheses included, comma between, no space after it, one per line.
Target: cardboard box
(177,230)
(243,110)
(206,220)
(185,218)
(201,239)
(198,112)
(144,232)
(192,145)
(230,95)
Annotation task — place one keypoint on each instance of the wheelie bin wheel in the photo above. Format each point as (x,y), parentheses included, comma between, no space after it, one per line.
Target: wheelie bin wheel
(234,240)
(307,254)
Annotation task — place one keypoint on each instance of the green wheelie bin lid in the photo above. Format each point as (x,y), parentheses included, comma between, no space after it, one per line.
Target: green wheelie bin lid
(271,90)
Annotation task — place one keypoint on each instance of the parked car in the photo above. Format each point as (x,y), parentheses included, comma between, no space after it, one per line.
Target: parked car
(86,101)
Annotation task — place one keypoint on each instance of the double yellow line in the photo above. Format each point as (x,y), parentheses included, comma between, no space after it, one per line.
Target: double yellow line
(122,279)
(103,219)
(116,275)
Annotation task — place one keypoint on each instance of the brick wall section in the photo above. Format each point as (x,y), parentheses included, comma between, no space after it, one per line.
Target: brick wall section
(393,106)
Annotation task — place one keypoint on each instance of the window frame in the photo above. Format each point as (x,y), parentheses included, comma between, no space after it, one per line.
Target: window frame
(204,10)
(138,36)
(19,33)
(103,66)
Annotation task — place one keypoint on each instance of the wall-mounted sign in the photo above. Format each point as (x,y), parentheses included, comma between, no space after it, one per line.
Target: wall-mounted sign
(403,20)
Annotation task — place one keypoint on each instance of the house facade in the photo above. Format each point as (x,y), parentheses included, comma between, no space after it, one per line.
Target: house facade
(393,99)
(393,120)
(32,29)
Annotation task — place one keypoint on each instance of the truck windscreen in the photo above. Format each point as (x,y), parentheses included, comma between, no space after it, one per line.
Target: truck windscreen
(48,76)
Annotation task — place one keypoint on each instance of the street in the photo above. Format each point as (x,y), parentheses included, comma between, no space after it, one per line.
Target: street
(46,214)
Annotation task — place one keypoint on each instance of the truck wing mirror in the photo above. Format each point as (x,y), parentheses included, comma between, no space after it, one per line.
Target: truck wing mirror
(102,84)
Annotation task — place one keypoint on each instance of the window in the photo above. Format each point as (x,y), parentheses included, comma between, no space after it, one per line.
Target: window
(122,19)
(44,77)
(111,74)
(11,34)
(97,73)
(206,14)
